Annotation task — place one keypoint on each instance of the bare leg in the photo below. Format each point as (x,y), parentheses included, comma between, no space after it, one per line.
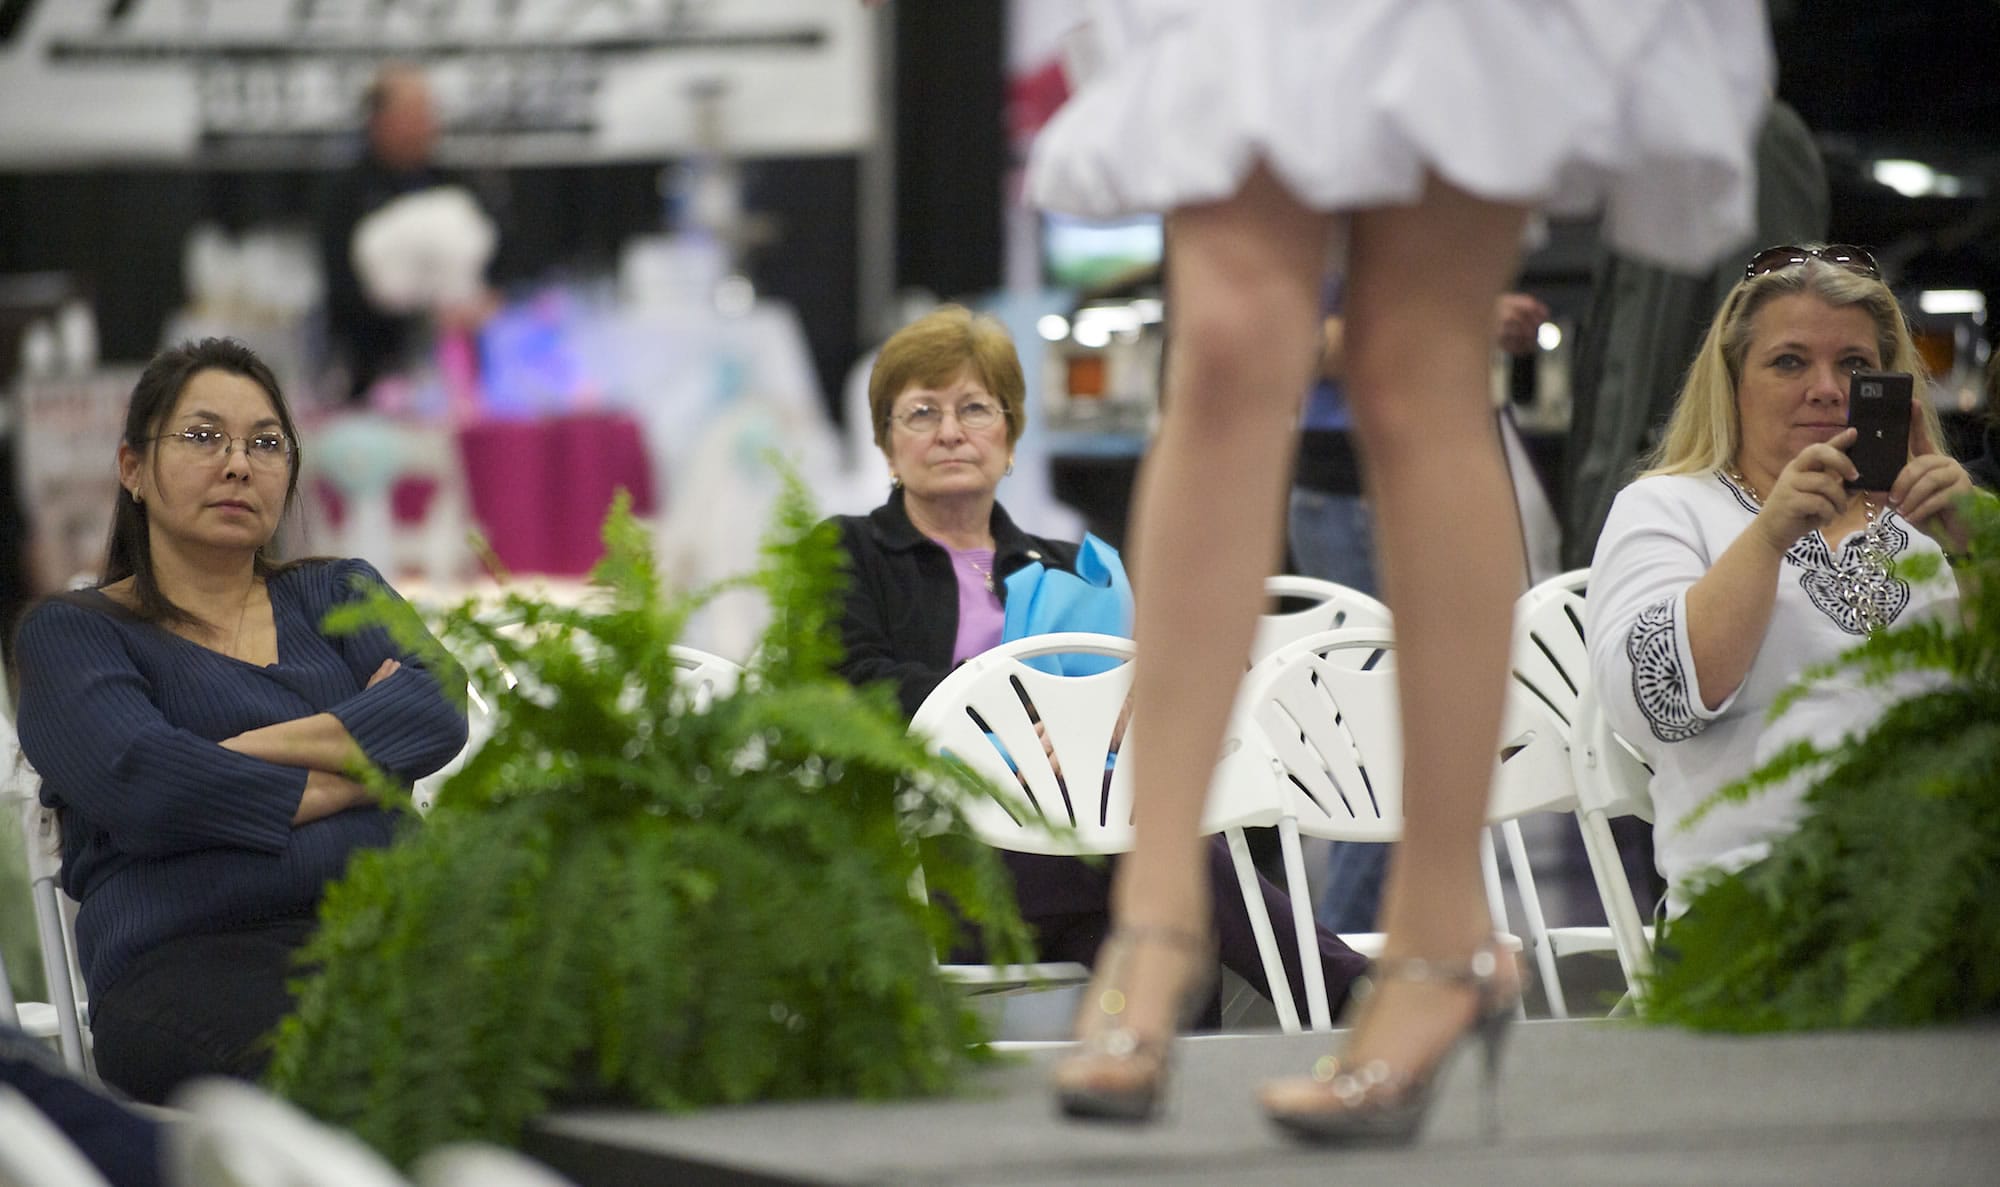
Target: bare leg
(1421,286)
(1244,291)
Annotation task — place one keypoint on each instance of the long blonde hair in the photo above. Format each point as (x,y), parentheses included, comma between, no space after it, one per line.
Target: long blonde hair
(1704,432)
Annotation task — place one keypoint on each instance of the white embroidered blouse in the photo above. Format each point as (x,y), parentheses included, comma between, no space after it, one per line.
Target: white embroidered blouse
(1662,535)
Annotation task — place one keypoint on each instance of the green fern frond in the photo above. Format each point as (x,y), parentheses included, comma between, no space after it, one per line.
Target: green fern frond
(624,895)
(803,576)
(1882,908)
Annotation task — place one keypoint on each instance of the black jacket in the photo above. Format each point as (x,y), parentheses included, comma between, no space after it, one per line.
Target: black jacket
(900,617)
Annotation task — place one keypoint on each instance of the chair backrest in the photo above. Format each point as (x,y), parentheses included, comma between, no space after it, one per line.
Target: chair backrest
(1331,607)
(1574,581)
(1343,770)
(705,674)
(1549,659)
(985,712)
(1328,708)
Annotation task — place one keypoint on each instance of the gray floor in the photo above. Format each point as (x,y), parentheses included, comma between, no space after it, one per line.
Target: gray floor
(1583,1102)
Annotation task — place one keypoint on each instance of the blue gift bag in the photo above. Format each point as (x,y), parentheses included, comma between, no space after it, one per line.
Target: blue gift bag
(1096,598)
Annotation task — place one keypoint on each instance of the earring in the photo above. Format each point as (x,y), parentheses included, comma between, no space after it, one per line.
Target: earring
(137,497)
(895,481)
(1010,468)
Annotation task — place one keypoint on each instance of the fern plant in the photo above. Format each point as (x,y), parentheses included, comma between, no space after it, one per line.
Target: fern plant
(1883,908)
(625,895)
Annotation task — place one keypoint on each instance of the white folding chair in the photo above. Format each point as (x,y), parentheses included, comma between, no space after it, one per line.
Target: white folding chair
(1550,659)
(1331,606)
(703,674)
(478,727)
(1612,779)
(1326,705)
(55,929)
(34,1153)
(241,1136)
(1328,606)
(62,1016)
(1549,663)
(985,712)
(237,1135)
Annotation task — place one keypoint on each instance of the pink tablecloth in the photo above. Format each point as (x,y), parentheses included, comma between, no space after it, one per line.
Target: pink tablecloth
(540,488)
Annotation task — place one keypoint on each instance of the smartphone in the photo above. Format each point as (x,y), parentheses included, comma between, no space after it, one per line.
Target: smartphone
(1878,405)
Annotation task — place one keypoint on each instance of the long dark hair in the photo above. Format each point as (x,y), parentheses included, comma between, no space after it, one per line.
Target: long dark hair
(129,552)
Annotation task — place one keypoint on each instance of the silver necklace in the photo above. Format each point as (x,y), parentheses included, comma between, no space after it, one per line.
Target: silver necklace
(1854,585)
(985,571)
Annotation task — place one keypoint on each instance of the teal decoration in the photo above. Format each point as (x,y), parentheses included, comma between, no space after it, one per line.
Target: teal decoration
(1096,598)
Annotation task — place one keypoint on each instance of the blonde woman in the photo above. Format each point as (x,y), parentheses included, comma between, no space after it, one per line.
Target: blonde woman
(1743,557)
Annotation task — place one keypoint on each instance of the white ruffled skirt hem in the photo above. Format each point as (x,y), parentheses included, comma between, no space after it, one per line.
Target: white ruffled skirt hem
(1645,109)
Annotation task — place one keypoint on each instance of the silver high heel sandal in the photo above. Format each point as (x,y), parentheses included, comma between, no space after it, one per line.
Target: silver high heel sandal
(1379,1104)
(1140,1063)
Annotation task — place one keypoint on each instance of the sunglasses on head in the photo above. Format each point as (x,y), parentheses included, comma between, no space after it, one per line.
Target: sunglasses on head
(1845,255)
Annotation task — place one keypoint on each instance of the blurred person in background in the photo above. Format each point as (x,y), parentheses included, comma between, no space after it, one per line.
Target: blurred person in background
(201,734)
(402,135)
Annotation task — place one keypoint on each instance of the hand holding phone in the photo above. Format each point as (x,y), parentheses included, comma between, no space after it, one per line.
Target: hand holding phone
(1878,408)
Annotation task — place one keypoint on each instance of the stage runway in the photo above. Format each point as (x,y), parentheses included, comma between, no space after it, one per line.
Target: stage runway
(1582,1102)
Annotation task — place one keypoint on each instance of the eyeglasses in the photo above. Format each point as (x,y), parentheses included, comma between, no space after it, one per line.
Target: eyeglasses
(267,450)
(926,417)
(1844,255)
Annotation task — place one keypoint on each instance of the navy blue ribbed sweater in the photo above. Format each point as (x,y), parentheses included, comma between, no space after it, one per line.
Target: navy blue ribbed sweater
(167,834)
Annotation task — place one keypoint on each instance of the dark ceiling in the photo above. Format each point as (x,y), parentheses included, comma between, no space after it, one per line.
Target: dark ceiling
(1911,79)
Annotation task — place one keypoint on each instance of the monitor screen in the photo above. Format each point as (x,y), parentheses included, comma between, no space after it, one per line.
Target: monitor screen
(1084,253)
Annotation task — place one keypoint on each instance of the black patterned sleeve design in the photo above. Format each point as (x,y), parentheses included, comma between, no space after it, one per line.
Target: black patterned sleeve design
(1659,684)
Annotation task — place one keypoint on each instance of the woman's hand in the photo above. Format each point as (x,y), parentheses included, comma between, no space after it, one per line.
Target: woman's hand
(1927,490)
(1118,727)
(1048,748)
(326,794)
(1810,493)
(389,668)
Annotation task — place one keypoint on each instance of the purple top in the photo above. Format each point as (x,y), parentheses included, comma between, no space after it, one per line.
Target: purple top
(980,615)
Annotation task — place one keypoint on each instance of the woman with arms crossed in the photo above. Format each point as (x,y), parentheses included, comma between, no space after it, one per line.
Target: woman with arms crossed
(200,734)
